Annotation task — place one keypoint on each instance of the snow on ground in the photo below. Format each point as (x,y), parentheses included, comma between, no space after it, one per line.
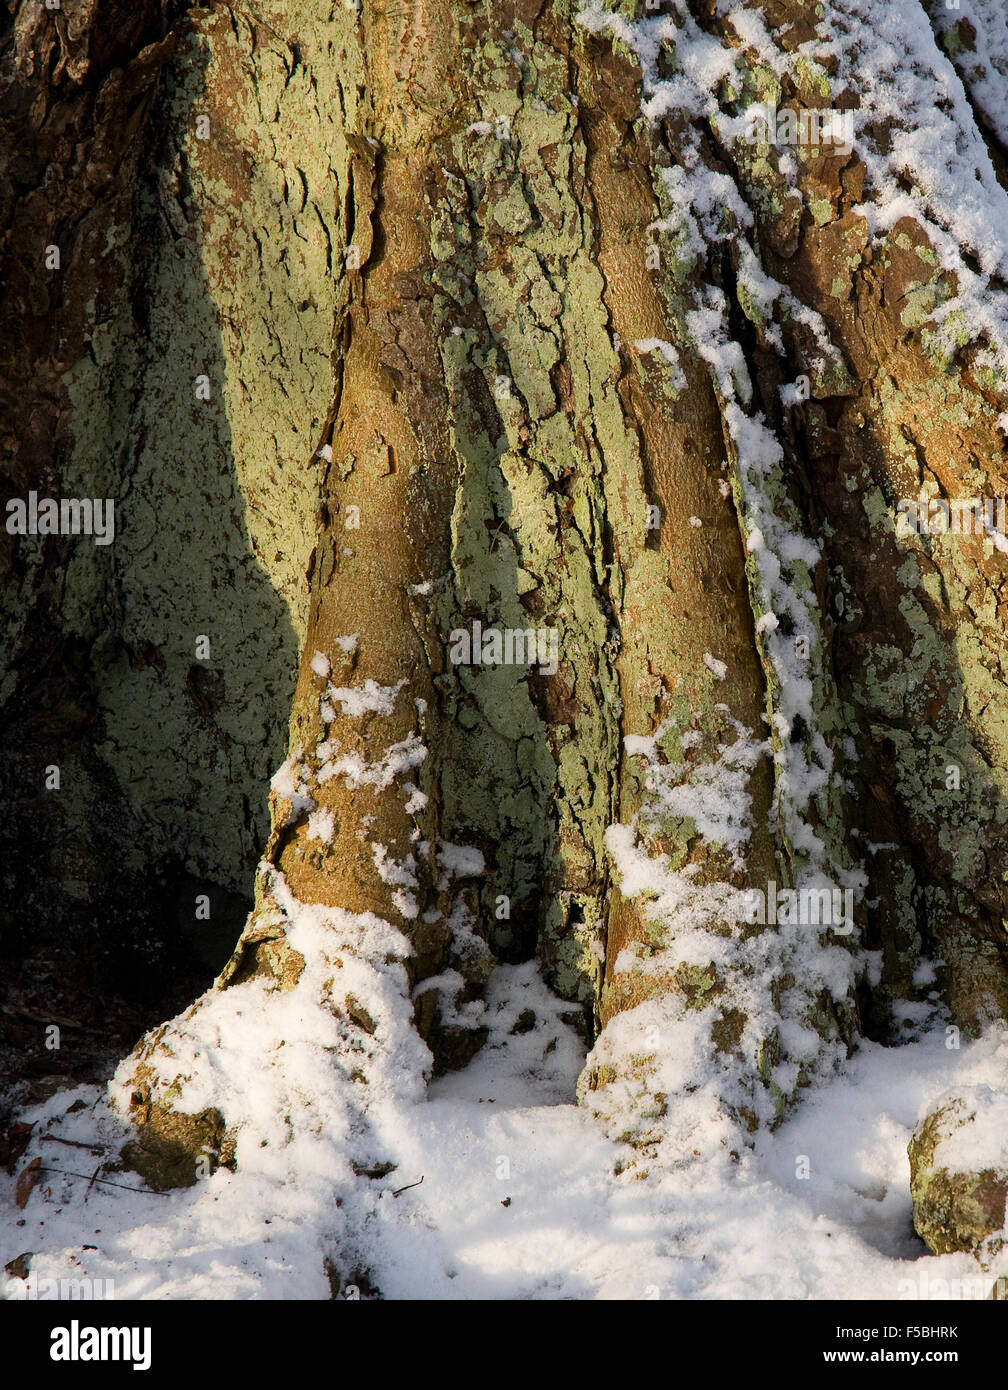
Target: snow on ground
(521,1198)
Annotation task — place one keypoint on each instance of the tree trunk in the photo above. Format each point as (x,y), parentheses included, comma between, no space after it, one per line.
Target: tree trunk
(438,322)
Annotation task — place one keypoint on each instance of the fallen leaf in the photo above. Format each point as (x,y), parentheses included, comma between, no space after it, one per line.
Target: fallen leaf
(13,1144)
(27,1182)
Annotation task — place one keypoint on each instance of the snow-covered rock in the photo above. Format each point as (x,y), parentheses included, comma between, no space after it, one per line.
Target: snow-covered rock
(959,1172)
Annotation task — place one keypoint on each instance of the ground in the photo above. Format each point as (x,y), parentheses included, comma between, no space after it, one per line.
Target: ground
(522,1194)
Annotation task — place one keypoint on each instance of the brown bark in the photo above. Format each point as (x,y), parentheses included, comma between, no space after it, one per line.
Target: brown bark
(453,308)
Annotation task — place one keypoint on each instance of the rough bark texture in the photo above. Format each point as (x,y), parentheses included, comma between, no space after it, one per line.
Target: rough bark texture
(916,643)
(77,99)
(419,254)
(185,165)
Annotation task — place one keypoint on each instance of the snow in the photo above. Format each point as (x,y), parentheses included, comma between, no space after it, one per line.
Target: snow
(289,783)
(979,1138)
(399,875)
(463,861)
(577,1224)
(717,668)
(983,67)
(370,698)
(400,757)
(712,794)
(321,826)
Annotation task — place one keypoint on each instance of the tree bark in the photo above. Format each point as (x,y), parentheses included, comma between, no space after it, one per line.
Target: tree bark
(500,330)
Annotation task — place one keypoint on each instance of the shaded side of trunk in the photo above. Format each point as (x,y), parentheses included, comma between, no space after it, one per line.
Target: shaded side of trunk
(191,172)
(77,98)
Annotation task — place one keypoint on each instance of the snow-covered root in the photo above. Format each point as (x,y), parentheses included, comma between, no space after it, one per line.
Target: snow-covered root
(293,1070)
(263,1120)
(316,1048)
(280,1093)
(738,998)
(755,1012)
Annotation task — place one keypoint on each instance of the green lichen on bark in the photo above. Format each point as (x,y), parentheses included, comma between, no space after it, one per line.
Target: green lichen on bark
(217,483)
(527,360)
(915,647)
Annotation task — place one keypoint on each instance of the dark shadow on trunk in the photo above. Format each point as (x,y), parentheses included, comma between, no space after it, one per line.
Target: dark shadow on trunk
(125,887)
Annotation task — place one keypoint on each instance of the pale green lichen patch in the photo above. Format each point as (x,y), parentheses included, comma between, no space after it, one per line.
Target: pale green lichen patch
(529,774)
(225,401)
